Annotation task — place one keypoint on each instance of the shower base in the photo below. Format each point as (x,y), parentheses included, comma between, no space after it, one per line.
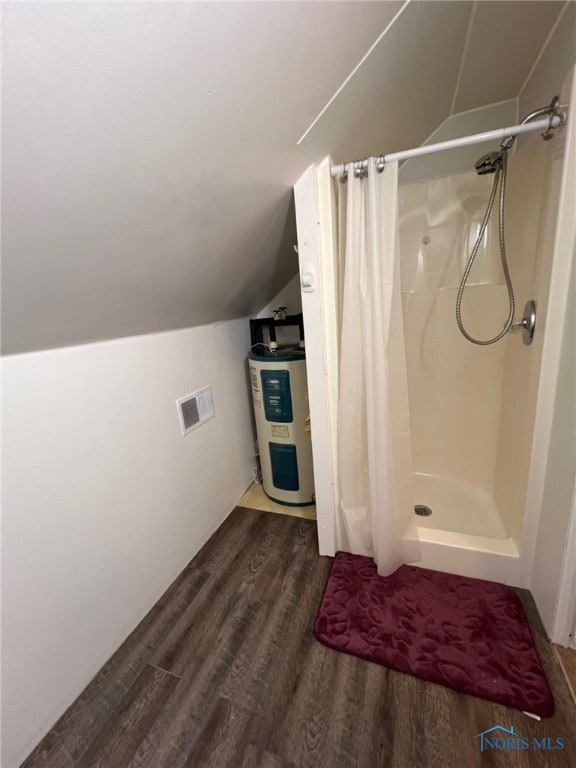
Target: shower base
(457,507)
(465,534)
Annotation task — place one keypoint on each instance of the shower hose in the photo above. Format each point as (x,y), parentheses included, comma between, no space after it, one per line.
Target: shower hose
(499,181)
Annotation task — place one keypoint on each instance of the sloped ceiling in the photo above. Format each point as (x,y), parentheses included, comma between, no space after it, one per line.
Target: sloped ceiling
(437,59)
(149,149)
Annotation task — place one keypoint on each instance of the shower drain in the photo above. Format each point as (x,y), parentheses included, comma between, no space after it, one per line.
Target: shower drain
(422,510)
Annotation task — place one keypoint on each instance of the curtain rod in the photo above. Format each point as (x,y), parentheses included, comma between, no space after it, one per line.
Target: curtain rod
(546,123)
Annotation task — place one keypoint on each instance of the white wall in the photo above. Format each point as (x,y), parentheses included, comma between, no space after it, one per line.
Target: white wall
(290,297)
(555,61)
(555,421)
(105,502)
(560,478)
(460,160)
(153,141)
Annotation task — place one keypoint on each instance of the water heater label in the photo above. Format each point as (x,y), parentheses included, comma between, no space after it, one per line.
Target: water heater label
(280,431)
(255,385)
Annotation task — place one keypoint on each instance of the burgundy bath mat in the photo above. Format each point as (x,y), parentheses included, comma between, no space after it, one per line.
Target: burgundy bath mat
(466,634)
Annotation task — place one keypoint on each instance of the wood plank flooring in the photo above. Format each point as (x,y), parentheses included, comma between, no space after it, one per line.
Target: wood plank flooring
(224,673)
(568,661)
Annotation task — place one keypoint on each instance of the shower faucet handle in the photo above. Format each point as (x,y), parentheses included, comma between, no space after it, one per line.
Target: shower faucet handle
(527,323)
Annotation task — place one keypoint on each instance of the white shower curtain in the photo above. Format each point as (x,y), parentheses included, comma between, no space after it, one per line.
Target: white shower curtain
(375,510)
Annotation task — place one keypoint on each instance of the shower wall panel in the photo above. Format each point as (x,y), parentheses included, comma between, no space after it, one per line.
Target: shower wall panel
(531,205)
(455,386)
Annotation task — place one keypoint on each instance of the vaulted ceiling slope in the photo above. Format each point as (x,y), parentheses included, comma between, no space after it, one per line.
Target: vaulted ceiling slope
(149,149)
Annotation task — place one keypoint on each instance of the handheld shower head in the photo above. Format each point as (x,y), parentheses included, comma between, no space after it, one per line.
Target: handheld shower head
(489,163)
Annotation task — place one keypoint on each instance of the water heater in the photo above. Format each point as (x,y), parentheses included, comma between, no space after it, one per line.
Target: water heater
(280,399)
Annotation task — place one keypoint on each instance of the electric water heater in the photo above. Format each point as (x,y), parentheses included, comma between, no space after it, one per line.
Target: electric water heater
(280,399)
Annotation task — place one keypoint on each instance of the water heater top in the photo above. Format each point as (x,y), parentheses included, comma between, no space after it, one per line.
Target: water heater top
(280,355)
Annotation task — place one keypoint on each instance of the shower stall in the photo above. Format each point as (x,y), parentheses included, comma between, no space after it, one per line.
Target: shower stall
(480,415)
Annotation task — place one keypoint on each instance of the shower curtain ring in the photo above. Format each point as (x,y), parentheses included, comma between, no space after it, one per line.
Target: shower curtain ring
(359,171)
(380,163)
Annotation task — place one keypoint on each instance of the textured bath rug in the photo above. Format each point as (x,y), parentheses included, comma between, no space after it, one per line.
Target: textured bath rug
(466,634)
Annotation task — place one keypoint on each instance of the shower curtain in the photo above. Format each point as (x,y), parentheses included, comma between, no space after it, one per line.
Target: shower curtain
(375,509)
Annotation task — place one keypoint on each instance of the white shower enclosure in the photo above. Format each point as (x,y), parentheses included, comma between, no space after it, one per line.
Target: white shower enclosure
(486,441)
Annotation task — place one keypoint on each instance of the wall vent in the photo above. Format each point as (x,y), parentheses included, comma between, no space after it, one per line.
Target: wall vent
(195,409)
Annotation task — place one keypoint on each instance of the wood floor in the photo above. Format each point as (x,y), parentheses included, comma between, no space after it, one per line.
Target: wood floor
(224,673)
(568,661)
